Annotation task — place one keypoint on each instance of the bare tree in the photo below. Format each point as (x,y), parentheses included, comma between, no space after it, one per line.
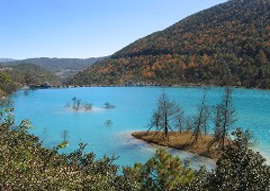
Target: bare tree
(108,123)
(165,116)
(65,135)
(181,121)
(224,118)
(190,121)
(108,105)
(202,119)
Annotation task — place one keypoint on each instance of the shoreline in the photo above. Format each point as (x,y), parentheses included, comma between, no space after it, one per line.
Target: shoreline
(181,142)
(196,161)
(150,86)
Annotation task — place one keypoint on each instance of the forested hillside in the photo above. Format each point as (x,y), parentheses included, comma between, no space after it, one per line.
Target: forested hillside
(32,74)
(228,44)
(63,67)
(13,77)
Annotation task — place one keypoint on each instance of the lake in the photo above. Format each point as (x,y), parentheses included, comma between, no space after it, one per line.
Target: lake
(134,106)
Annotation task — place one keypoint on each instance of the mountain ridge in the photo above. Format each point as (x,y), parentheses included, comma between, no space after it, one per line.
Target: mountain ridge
(2,60)
(63,67)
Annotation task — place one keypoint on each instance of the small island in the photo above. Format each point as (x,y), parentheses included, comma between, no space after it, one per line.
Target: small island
(170,127)
(181,141)
(78,105)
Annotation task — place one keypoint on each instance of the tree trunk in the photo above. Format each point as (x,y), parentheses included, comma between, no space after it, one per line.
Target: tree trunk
(166,128)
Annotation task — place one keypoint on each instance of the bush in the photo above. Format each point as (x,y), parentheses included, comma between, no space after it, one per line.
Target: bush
(26,165)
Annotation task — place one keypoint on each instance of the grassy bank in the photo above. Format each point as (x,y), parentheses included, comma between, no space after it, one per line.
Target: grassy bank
(181,141)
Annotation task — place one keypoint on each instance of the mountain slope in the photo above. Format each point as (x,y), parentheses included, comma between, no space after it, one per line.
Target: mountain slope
(6,60)
(26,74)
(14,77)
(63,67)
(228,44)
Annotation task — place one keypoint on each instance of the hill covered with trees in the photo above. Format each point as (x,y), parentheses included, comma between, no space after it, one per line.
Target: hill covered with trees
(15,76)
(63,67)
(227,44)
(26,74)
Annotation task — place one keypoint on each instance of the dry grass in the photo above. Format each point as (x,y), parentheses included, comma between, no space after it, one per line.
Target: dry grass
(181,141)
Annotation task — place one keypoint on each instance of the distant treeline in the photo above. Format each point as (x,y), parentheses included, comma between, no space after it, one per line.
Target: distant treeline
(13,77)
(58,64)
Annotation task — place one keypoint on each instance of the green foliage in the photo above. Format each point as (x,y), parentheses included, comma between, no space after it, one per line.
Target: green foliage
(239,168)
(14,77)
(62,145)
(225,45)
(26,165)
(27,74)
(7,85)
(164,172)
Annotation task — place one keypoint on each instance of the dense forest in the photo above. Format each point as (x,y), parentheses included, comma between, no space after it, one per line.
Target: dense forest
(227,44)
(16,76)
(63,67)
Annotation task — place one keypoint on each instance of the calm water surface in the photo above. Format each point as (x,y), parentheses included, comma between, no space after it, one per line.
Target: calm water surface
(134,106)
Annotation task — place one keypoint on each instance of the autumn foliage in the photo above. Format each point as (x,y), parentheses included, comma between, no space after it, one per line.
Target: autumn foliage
(225,45)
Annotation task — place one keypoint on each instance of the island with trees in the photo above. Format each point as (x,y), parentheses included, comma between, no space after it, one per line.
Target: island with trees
(170,127)
(224,45)
(78,105)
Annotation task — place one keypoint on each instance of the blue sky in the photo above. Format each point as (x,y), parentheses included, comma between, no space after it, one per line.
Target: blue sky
(84,28)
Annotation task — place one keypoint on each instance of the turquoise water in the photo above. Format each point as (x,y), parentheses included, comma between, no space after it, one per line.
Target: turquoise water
(134,106)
